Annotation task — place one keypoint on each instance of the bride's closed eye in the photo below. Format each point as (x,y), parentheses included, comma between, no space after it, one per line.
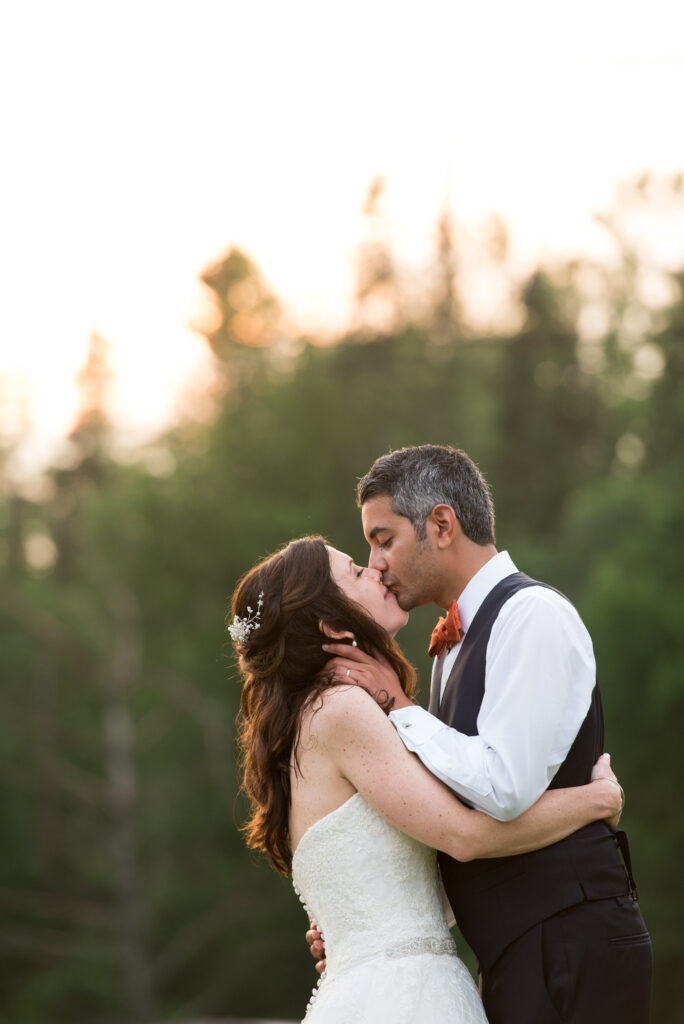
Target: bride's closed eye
(359,572)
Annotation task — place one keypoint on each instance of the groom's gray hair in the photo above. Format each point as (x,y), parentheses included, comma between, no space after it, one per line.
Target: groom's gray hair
(417,479)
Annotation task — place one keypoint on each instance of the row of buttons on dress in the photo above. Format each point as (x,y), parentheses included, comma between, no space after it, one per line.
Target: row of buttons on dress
(314,994)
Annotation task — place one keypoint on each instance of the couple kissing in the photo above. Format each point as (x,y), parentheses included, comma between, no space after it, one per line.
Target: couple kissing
(499,796)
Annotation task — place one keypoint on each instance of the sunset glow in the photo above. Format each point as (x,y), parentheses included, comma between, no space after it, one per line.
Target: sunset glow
(147,138)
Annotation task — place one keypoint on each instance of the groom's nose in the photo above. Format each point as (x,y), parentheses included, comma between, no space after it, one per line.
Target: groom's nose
(377,561)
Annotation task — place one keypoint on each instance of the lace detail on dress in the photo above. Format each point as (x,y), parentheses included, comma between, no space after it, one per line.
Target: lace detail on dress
(374,894)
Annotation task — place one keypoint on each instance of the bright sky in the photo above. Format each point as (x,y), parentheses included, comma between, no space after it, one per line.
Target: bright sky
(142,139)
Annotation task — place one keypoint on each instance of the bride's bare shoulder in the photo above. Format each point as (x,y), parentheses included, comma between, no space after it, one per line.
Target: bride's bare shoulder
(341,707)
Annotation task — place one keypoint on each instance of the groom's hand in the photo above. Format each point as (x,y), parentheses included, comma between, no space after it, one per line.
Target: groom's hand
(603,770)
(352,665)
(316,947)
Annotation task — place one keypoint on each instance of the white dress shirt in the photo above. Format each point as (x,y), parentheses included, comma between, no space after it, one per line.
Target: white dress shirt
(540,674)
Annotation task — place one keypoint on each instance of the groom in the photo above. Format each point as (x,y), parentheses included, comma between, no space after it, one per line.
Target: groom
(514,710)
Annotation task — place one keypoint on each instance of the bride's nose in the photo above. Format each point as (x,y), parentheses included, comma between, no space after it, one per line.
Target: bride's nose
(376,574)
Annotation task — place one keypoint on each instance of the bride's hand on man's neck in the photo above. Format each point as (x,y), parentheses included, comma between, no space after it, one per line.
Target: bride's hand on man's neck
(352,665)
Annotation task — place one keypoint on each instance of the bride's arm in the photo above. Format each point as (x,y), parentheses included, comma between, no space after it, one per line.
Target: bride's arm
(366,749)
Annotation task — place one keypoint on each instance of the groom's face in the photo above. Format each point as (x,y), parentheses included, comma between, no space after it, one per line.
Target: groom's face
(410,566)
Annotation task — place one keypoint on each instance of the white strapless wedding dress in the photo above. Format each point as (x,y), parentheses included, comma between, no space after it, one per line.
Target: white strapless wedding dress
(375,895)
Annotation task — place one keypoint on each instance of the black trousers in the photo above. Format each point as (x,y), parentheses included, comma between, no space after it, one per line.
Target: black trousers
(590,964)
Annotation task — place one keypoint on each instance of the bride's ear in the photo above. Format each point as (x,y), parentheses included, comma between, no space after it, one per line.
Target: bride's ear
(334,634)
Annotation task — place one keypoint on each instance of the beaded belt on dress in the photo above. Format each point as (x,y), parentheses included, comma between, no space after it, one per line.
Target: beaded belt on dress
(412,947)
(444,946)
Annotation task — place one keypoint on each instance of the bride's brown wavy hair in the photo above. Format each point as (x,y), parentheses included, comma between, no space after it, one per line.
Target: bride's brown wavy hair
(283,666)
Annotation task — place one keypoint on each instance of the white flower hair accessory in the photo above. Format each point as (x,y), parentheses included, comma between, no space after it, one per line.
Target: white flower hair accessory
(240,629)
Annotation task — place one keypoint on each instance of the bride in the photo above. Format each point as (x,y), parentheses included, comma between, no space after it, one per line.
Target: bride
(339,802)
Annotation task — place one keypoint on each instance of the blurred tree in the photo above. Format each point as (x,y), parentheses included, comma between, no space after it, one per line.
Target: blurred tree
(446,321)
(633,594)
(378,299)
(549,413)
(247,313)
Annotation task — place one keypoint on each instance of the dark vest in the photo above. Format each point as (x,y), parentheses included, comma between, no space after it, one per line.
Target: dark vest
(496,900)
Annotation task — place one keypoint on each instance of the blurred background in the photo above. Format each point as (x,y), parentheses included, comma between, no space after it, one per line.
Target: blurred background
(245,250)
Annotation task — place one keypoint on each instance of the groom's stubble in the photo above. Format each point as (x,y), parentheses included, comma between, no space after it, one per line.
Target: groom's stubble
(410,565)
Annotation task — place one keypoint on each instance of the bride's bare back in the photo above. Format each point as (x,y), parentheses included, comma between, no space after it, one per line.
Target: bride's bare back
(317,786)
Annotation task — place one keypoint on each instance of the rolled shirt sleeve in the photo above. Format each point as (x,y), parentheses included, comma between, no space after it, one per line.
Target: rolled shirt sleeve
(540,674)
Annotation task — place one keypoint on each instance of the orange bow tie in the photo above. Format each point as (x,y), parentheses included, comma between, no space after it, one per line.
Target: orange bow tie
(447,633)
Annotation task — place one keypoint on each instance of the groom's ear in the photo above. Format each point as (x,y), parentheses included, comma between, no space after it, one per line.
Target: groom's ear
(334,634)
(444,525)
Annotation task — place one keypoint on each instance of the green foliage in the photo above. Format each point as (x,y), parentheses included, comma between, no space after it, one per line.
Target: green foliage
(126,889)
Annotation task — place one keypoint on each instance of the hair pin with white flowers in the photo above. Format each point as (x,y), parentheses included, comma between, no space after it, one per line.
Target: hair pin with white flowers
(240,629)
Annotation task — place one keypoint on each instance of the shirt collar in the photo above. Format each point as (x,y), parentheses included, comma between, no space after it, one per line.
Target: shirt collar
(484,580)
